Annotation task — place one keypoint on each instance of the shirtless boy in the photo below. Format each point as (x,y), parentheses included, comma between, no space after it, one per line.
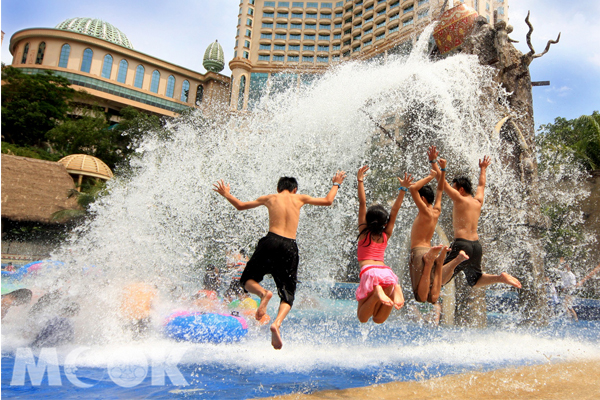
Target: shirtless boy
(277,253)
(427,280)
(465,219)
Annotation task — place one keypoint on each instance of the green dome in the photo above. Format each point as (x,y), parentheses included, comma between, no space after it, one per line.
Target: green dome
(214,59)
(96,28)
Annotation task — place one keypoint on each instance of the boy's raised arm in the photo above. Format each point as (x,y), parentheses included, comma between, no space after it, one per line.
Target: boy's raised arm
(224,190)
(432,155)
(415,187)
(481,185)
(327,200)
(440,186)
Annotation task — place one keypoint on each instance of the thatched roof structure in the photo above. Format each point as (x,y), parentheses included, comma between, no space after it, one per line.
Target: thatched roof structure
(32,190)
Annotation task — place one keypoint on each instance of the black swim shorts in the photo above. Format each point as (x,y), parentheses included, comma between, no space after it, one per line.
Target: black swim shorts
(278,256)
(472,266)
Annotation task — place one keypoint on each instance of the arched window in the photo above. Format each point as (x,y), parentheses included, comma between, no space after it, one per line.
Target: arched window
(170,86)
(155,81)
(122,75)
(40,53)
(25,53)
(185,91)
(86,63)
(241,92)
(139,76)
(64,56)
(199,94)
(107,66)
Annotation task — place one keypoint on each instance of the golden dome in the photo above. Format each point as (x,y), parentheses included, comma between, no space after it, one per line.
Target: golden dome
(82,164)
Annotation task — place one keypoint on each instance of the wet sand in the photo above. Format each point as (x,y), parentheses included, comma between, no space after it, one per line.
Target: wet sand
(561,381)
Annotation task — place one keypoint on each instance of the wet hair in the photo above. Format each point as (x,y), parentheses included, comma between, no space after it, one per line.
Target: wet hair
(20,296)
(243,252)
(287,183)
(465,183)
(427,192)
(377,218)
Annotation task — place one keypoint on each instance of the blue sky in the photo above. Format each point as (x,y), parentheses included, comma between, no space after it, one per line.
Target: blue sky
(180,30)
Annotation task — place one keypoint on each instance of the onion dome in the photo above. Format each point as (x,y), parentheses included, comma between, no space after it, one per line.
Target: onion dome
(96,28)
(214,58)
(82,164)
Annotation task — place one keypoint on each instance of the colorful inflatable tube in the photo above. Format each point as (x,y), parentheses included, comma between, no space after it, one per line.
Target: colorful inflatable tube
(199,327)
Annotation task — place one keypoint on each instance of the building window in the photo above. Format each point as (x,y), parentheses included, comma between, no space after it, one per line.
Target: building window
(170,86)
(250,11)
(246,55)
(277,58)
(394,17)
(323,59)
(335,47)
(139,76)
(407,22)
(501,10)
(326,16)
(279,47)
(294,36)
(86,63)
(293,58)
(379,37)
(323,48)
(266,36)
(241,92)
(308,59)
(264,58)
(326,5)
(122,75)
(265,47)
(487,7)
(248,33)
(267,25)
(368,31)
(308,47)
(296,26)
(247,44)
(155,81)
(357,48)
(323,26)
(382,23)
(309,37)
(324,36)
(337,36)
(185,91)
(64,56)
(282,14)
(293,47)
(368,42)
(283,4)
(107,66)
(269,4)
(338,14)
(199,94)
(312,5)
(25,53)
(421,2)
(338,26)
(282,26)
(40,54)
(267,14)
(311,16)
(249,21)
(280,36)
(298,4)
(408,9)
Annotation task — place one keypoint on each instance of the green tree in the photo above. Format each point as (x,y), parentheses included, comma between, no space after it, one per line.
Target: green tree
(579,137)
(32,105)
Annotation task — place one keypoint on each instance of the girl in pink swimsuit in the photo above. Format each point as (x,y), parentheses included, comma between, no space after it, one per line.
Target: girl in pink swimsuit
(378,291)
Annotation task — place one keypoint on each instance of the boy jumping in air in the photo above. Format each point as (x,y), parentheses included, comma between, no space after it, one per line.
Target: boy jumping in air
(277,253)
(427,280)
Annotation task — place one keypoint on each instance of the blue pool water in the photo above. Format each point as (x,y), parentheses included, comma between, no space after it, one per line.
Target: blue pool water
(324,348)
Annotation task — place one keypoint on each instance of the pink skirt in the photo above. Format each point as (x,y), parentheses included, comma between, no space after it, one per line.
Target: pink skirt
(374,275)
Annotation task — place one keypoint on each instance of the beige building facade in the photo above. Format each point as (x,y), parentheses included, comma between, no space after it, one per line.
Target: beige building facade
(105,65)
(288,42)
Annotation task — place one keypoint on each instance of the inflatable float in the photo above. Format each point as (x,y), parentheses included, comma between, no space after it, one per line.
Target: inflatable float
(199,327)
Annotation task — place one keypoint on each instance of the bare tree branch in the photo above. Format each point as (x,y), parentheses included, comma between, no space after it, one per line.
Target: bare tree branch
(550,42)
(528,36)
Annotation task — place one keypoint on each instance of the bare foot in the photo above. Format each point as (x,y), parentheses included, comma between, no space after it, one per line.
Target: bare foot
(383,298)
(262,308)
(429,257)
(276,337)
(510,280)
(462,256)
(439,261)
(398,297)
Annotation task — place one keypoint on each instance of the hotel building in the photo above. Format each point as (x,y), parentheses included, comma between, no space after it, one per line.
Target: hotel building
(291,41)
(98,58)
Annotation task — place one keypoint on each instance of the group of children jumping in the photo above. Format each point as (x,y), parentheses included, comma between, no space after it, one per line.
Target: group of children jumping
(379,292)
